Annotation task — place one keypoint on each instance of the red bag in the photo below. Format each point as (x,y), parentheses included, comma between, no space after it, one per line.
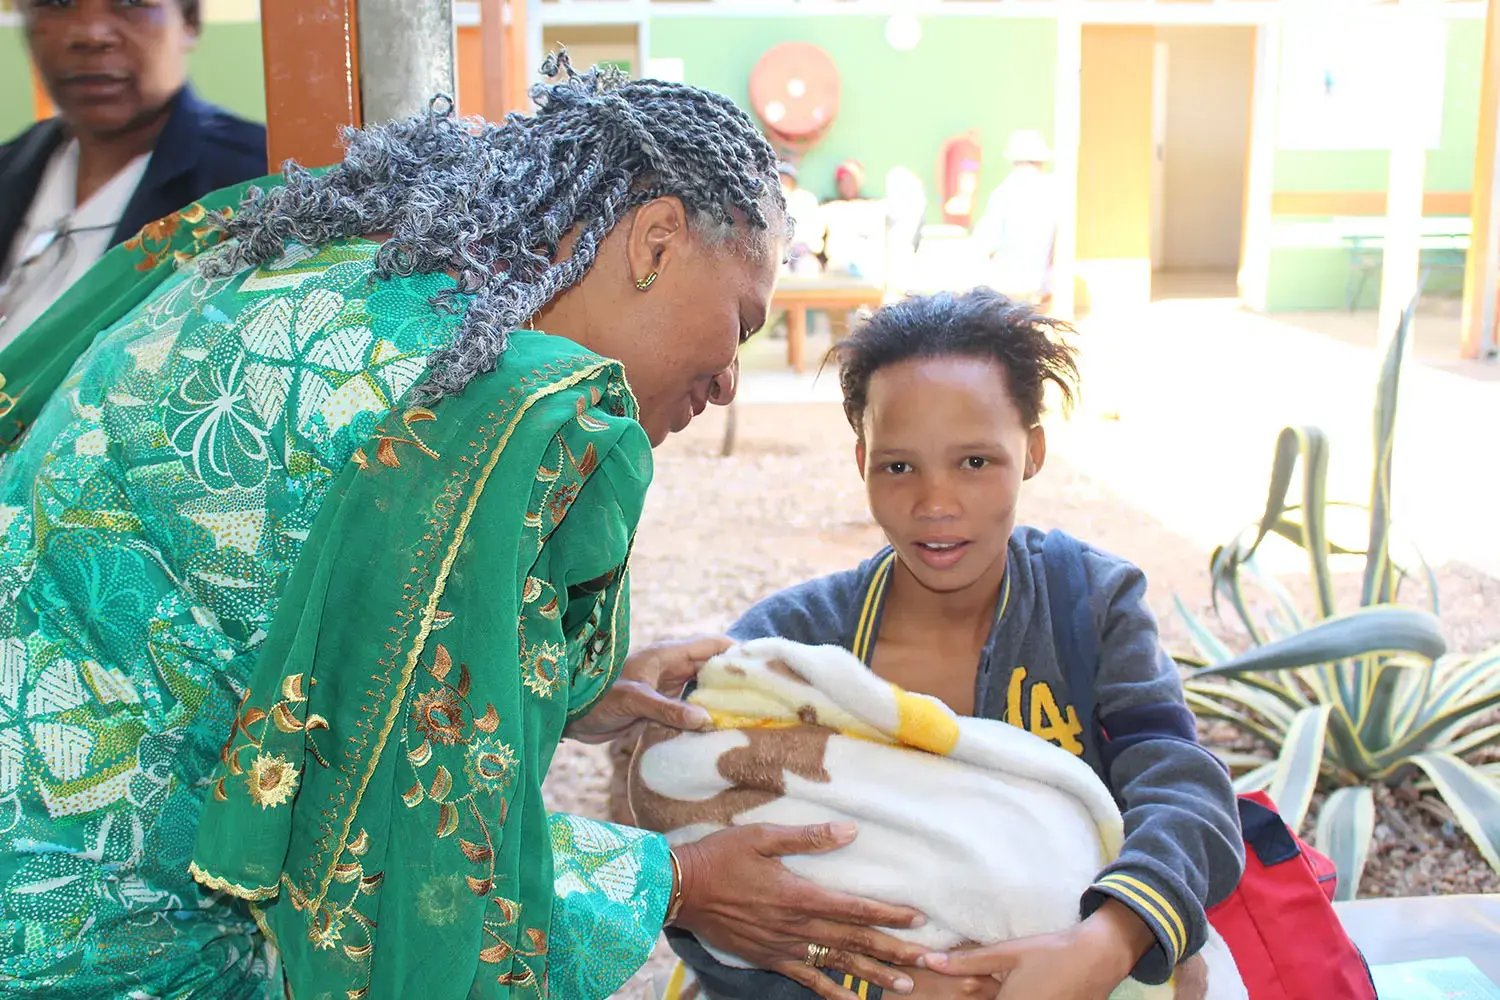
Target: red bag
(1280,924)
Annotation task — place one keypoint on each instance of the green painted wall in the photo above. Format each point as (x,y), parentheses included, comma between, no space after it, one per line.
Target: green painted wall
(991,75)
(226,70)
(1306,277)
(1311,278)
(1449,167)
(15,83)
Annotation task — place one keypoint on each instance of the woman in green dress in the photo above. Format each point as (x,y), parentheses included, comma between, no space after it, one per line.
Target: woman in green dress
(313,546)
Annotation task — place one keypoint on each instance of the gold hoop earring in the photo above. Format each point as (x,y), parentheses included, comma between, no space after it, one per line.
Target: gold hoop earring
(646,282)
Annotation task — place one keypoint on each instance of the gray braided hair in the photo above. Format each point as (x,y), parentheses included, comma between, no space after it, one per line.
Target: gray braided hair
(492,202)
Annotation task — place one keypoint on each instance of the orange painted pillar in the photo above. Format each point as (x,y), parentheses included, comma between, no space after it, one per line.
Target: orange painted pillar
(312,78)
(468,70)
(520,72)
(502,26)
(41,101)
(1480,307)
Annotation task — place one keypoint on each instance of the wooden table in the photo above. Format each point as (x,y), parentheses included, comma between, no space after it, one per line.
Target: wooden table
(797,295)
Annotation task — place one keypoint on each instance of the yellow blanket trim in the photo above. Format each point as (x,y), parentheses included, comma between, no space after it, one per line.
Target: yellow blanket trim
(924,724)
(730,720)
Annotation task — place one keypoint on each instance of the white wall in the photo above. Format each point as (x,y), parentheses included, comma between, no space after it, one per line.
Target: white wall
(1209,76)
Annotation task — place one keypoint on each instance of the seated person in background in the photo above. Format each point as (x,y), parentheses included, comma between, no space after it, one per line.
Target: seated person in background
(849,181)
(855,245)
(905,211)
(945,395)
(805,256)
(1018,230)
(129,145)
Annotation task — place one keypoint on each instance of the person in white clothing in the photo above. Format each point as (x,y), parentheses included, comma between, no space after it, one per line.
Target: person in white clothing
(130,143)
(1018,229)
(806,255)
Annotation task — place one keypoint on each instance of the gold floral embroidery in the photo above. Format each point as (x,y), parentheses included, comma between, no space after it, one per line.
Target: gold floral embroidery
(543,668)
(439,715)
(491,763)
(328,930)
(154,241)
(522,975)
(588,463)
(271,780)
(331,889)
(561,500)
(268,787)
(385,447)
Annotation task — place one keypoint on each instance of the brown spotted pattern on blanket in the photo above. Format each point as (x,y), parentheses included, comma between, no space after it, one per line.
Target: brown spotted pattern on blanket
(756,774)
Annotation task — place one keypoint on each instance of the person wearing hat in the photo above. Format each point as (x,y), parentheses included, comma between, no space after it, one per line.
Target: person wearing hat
(848,180)
(1017,231)
(855,242)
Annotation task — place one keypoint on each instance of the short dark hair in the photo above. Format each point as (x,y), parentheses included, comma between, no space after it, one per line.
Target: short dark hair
(191,13)
(980,324)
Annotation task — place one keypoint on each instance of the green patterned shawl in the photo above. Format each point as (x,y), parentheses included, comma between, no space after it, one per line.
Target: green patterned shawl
(461,596)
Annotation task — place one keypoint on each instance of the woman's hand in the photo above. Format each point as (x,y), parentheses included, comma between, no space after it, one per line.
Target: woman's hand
(739,897)
(649,689)
(1085,962)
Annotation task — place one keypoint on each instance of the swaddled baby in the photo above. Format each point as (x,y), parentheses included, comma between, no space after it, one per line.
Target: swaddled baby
(990,831)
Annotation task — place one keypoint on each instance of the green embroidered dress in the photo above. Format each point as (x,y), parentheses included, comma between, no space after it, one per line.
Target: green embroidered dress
(282,660)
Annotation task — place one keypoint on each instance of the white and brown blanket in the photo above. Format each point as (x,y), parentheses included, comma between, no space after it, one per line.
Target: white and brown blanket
(991,832)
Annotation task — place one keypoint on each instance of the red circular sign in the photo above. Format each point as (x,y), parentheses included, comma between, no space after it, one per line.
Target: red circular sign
(794,88)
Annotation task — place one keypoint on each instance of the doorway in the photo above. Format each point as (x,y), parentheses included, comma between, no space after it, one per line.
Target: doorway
(1203,86)
(1164,141)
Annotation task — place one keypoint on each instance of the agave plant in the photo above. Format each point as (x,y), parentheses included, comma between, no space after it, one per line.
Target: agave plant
(1346,700)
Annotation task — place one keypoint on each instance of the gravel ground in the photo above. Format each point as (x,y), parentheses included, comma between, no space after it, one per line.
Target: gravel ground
(721,533)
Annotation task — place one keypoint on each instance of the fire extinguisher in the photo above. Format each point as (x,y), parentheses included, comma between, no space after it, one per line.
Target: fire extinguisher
(958,169)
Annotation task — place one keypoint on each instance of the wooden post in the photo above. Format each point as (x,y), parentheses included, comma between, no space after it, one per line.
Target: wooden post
(493,29)
(312,78)
(1482,267)
(796,336)
(502,28)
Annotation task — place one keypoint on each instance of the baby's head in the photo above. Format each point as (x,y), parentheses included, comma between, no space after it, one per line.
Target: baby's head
(945,395)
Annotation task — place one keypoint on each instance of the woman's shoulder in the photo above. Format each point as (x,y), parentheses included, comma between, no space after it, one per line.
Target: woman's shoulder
(547,379)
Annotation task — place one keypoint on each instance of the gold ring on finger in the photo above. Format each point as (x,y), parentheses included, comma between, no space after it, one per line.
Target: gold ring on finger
(817,955)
